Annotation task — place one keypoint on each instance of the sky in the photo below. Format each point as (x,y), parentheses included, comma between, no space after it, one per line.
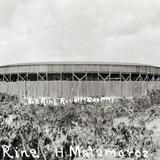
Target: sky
(80,30)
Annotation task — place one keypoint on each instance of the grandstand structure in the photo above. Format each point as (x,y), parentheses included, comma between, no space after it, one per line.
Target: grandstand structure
(70,79)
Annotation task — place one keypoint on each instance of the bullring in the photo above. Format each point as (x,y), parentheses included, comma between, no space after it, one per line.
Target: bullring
(70,79)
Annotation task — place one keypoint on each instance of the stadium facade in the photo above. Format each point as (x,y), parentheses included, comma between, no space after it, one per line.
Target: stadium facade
(78,79)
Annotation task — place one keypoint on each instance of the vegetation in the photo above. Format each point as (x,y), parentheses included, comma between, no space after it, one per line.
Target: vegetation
(46,127)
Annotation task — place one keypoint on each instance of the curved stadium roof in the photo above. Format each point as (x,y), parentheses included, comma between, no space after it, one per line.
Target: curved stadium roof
(47,67)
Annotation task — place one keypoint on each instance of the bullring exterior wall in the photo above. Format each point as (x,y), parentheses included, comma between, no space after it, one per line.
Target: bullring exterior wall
(78,88)
(78,79)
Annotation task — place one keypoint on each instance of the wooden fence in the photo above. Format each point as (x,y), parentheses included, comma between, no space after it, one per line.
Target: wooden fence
(78,88)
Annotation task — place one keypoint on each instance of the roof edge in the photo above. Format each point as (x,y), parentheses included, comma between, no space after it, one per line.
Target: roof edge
(78,63)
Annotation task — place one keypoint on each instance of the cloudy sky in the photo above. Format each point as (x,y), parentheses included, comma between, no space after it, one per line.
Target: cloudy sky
(80,30)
